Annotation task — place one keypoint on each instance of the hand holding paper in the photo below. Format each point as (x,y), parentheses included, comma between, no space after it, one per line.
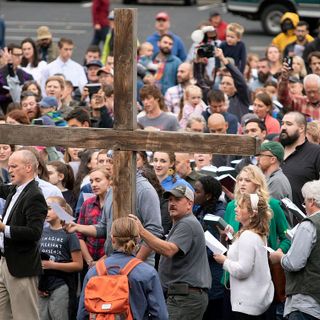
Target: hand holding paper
(213,244)
(60,212)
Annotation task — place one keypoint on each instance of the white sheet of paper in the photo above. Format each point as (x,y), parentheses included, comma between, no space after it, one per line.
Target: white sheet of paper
(290,205)
(269,249)
(87,195)
(290,232)
(60,212)
(213,244)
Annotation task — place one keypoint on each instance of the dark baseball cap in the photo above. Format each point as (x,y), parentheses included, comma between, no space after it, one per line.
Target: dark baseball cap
(97,63)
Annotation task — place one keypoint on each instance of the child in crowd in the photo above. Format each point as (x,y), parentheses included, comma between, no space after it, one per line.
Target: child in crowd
(61,175)
(61,257)
(48,107)
(145,54)
(233,47)
(193,104)
(252,67)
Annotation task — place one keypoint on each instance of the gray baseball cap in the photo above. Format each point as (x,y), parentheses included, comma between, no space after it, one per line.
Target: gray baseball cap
(180,191)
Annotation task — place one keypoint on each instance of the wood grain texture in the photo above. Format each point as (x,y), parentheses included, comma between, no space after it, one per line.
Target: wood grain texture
(125,114)
(125,67)
(124,183)
(126,140)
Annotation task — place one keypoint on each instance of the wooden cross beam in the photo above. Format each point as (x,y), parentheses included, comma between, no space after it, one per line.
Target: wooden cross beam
(124,139)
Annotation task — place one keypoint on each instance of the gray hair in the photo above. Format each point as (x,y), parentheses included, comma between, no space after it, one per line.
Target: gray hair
(311,78)
(311,190)
(29,158)
(192,119)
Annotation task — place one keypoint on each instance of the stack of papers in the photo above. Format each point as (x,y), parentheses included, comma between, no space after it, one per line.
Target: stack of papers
(213,244)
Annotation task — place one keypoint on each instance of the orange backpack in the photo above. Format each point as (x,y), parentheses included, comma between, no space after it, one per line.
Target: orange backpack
(106,296)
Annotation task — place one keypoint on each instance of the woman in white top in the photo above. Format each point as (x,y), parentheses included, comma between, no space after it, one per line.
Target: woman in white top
(30,62)
(247,260)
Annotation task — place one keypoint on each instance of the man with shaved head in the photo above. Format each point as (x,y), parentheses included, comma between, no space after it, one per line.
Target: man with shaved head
(20,231)
(218,125)
(174,94)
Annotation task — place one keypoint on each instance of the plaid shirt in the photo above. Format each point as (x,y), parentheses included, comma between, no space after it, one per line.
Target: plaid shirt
(297,103)
(90,214)
(173,97)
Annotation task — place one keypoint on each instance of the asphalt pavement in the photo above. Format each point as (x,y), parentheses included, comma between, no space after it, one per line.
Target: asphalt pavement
(74,20)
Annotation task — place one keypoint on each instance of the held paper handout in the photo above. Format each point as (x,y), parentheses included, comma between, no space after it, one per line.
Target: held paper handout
(270,250)
(290,232)
(87,195)
(217,221)
(213,244)
(294,209)
(61,213)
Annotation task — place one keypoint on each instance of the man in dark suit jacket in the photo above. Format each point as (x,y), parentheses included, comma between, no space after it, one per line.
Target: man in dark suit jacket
(20,231)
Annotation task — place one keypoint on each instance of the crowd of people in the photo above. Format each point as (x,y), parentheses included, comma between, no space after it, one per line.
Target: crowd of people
(48,265)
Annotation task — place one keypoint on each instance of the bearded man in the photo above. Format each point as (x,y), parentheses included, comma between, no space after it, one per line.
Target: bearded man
(301,158)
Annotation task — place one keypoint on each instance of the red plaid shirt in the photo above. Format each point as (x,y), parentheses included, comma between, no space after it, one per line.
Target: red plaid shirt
(90,214)
(297,103)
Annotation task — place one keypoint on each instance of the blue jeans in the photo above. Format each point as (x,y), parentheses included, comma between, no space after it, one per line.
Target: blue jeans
(298,315)
(99,36)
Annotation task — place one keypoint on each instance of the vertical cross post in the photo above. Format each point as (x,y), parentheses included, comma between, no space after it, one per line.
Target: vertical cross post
(125,113)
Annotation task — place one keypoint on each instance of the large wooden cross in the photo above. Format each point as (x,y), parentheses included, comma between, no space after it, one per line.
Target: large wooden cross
(124,138)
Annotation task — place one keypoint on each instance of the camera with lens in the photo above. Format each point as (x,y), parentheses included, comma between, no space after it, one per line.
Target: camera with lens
(206,51)
(205,38)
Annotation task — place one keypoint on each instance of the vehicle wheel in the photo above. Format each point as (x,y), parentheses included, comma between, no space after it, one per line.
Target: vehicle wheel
(189,2)
(270,18)
(129,1)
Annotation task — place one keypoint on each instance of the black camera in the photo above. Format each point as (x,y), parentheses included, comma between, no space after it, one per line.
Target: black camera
(206,51)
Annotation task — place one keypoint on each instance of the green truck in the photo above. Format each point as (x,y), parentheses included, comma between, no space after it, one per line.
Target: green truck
(269,12)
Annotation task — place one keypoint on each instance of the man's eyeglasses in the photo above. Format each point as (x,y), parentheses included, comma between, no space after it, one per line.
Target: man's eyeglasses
(264,155)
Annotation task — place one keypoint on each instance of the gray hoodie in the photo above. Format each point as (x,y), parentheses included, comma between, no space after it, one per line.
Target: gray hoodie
(147,210)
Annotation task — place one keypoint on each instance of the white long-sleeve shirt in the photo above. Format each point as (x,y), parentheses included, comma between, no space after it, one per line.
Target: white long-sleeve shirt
(250,279)
(72,70)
